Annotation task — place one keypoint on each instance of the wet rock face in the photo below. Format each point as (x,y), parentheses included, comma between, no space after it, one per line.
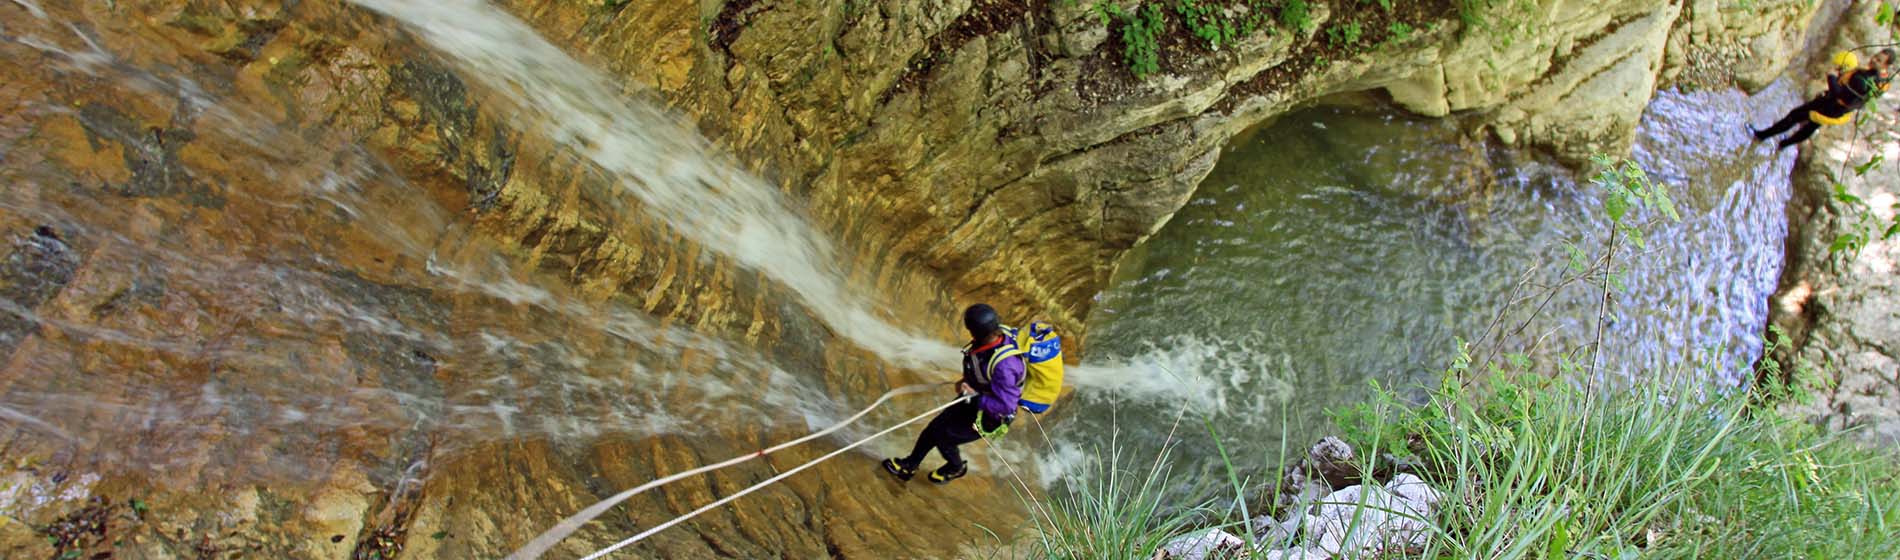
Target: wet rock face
(276,284)
(39,264)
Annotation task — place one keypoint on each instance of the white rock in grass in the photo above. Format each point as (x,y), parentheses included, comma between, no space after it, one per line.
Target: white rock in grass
(1368,518)
(1293,554)
(1211,544)
(1273,533)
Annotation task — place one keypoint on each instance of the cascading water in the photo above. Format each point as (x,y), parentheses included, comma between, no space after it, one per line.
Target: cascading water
(668,167)
(203,289)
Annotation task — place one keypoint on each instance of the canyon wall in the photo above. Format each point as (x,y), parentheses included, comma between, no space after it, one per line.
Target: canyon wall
(960,151)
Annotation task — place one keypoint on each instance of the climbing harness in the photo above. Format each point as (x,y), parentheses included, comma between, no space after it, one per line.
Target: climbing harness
(547,540)
(1002,428)
(1821,119)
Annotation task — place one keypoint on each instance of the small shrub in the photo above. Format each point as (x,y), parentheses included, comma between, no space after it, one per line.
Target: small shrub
(1107,12)
(1345,35)
(1208,23)
(1296,15)
(1399,30)
(1140,33)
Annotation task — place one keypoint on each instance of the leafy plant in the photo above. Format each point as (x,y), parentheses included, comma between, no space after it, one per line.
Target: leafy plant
(1206,22)
(1774,384)
(1344,35)
(1107,12)
(1399,30)
(1859,223)
(1383,4)
(1296,15)
(1626,187)
(1140,40)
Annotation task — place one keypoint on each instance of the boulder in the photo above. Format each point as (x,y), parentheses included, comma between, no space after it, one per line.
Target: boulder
(1205,545)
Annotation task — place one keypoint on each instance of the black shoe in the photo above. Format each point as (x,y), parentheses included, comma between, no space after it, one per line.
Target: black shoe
(899,470)
(944,474)
(1759,137)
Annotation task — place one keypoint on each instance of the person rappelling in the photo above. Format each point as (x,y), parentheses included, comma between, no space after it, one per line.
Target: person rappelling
(1848,89)
(993,374)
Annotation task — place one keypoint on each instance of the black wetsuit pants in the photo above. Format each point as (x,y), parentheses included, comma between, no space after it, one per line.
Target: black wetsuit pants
(955,426)
(1799,116)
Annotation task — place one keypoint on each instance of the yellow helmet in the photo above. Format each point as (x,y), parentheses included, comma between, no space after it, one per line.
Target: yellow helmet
(1846,60)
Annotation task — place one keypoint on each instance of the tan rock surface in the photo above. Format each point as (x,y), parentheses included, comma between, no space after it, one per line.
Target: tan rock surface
(280,280)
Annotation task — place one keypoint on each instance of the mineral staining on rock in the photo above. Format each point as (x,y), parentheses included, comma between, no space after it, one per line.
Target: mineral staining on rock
(188,185)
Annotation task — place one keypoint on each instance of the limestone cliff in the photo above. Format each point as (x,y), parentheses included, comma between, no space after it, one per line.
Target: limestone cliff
(1005,147)
(993,150)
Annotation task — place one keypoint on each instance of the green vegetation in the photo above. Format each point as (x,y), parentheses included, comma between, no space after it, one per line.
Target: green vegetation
(1505,20)
(1859,224)
(1140,36)
(1343,35)
(1209,22)
(1218,24)
(1399,30)
(1533,467)
(1295,15)
(1127,509)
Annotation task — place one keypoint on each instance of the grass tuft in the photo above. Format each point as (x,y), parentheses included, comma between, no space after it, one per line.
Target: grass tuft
(1534,468)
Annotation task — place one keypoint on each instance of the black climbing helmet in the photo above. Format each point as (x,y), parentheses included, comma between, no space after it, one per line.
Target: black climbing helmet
(981,320)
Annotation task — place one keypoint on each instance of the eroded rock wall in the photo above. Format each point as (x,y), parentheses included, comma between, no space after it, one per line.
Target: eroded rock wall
(1841,311)
(962,151)
(1004,147)
(1575,76)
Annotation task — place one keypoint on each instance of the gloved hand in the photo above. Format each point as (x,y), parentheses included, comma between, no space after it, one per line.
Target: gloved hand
(963,389)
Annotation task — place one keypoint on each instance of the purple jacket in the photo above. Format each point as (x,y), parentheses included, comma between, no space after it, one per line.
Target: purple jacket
(1005,389)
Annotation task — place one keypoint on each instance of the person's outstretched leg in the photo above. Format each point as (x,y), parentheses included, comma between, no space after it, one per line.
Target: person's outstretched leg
(1800,135)
(1794,117)
(954,467)
(939,434)
(954,430)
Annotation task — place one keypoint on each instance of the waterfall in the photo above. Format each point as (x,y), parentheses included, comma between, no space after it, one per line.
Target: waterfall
(665,164)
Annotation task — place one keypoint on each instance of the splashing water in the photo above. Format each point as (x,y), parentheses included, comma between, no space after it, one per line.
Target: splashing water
(1284,287)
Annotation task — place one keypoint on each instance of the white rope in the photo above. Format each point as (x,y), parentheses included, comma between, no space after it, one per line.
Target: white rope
(769,481)
(1029,494)
(547,540)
